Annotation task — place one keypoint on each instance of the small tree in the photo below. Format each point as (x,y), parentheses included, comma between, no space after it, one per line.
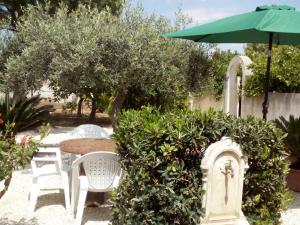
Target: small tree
(285,69)
(69,50)
(207,71)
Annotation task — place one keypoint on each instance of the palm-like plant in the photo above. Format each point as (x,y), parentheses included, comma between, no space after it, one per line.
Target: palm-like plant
(25,113)
(292,141)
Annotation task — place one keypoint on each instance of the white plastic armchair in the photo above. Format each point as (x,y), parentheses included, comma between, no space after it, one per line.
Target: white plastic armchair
(48,162)
(102,174)
(89,131)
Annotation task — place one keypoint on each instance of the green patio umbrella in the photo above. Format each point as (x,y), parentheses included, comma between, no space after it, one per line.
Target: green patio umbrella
(267,24)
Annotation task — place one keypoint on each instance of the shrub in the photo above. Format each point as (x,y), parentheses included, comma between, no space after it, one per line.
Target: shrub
(12,154)
(24,113)
(292,141)
(161,156)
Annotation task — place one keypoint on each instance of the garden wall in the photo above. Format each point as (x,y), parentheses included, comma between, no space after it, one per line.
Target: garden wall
(280,104)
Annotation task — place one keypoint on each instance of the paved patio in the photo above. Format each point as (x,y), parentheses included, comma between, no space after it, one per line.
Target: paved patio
(50,207)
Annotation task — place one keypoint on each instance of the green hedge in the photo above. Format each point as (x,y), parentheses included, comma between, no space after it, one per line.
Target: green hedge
(161,156)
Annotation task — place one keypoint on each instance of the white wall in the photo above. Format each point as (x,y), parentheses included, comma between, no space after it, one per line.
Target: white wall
(280,104)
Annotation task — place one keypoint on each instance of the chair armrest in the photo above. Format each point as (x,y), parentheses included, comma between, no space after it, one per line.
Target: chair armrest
(116,181)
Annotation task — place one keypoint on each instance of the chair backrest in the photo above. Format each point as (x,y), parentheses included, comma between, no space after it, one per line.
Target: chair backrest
(45,156)
(102,169)
(89,131)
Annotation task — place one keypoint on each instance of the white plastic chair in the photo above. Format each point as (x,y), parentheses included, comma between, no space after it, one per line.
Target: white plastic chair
(47,162)
(102,174)
(89,131)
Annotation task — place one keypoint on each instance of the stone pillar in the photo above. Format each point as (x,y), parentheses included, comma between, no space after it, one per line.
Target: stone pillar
(223,168)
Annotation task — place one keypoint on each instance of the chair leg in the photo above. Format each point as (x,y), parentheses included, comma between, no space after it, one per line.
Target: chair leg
(74,195)
(65,180)
(80,206)
(34,193)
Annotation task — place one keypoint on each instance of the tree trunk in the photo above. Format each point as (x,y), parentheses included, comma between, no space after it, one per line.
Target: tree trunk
(6,184)
(93,111)
(79,106)
(117,104)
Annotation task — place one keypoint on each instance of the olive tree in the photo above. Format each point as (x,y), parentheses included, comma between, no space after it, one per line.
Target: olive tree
(91,53)
(76,52)
(16,7)
(157,71)
(86,52)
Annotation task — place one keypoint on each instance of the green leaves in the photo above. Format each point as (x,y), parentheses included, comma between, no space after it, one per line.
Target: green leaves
(12,154)
(168,149)
(291,128)
(284,69)
(24,113)
(161,156)
(207,71)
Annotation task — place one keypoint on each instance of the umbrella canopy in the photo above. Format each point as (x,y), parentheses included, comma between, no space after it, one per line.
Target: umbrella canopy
(267,24)
(252,27)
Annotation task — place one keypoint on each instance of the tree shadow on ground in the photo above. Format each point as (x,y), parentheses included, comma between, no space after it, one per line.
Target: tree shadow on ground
(71,120)
(102,213)
(23,221)
(50,199)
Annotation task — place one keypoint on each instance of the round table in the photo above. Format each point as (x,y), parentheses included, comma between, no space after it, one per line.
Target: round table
(86,145)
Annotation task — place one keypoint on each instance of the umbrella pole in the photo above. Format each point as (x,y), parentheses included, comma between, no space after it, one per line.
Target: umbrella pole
(267,82)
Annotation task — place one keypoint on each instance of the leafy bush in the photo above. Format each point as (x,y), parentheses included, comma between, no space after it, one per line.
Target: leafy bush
(24,113)
(292,141)
(12,154)
(161,156)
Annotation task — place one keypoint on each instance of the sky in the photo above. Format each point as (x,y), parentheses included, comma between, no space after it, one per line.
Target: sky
(203,11)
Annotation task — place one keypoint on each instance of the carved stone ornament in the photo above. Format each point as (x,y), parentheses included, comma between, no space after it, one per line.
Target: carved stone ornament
(223,168)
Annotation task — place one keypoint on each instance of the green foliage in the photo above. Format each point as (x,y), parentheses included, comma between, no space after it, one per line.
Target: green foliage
(292,140)
(285,69)
(23,113)
(254,86)
(44,130)
(207,72)
(104,102)
(69,107)
(12,154)
(85,52)
(161,156)
(17,7)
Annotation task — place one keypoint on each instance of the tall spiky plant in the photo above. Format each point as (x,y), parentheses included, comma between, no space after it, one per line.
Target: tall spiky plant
(292,140)
(25,113)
